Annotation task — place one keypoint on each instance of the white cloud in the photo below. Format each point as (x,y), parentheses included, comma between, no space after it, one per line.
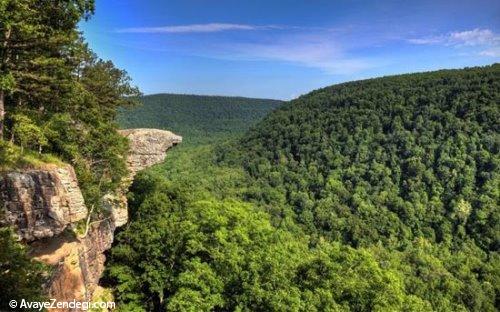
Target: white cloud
(431,40)
(474,37)
(195,28)
(492,52)
(485,42)
(321,52)
(302,46)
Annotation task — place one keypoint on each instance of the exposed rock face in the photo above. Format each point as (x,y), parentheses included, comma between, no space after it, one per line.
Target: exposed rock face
(117,205)
(92,259)
(41,203)
(62,252)
(79,261)
(148,147)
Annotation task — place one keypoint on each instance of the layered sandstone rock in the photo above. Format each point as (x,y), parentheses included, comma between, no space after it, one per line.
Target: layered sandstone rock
(41,203)
(116,204)
(79,261)
(148,147)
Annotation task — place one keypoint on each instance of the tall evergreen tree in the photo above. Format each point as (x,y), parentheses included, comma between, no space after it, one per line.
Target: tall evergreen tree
(40,50)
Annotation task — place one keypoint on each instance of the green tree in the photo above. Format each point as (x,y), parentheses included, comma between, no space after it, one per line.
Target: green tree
(27,133)
(22,277)
(182,253)
(39,42)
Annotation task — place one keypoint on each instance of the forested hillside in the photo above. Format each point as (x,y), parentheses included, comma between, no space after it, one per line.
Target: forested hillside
(199,119)
(387,159)
(375,195)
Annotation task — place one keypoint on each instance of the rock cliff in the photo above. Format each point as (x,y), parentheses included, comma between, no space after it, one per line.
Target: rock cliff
(78,261)
(41,204)
(148,147)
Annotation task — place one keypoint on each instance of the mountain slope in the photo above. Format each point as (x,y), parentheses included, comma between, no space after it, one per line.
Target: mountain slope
(197,118)
(387,159)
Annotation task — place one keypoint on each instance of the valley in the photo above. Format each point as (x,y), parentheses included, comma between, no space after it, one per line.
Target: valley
(199,119)
(377,189)
(375,194)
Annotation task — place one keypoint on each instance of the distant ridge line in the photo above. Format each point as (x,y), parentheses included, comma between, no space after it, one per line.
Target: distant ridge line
(211,96)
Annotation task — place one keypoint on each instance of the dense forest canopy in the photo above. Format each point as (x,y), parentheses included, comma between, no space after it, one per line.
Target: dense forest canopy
(375,195)
(387,159)
(199,119)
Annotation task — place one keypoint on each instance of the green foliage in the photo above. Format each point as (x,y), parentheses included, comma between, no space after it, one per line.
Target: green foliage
(7,82)
(199,119)
(212,181)
(58,98)
(65,99)
(40,50)
(181,253)
(27,133)
(387,159)
(378,195)
(108,88)
(21,277)
(13,158)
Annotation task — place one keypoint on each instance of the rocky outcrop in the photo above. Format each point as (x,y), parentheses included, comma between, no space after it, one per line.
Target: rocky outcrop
(41,203)
(148,147)
(79,261)
(116,204)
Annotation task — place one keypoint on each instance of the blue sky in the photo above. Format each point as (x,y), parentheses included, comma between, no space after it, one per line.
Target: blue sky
(281,49)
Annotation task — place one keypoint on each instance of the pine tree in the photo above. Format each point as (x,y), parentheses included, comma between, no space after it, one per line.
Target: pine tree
(40,50)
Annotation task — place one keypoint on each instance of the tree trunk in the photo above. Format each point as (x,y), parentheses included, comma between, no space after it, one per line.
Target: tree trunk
(2,112)
(3,67)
